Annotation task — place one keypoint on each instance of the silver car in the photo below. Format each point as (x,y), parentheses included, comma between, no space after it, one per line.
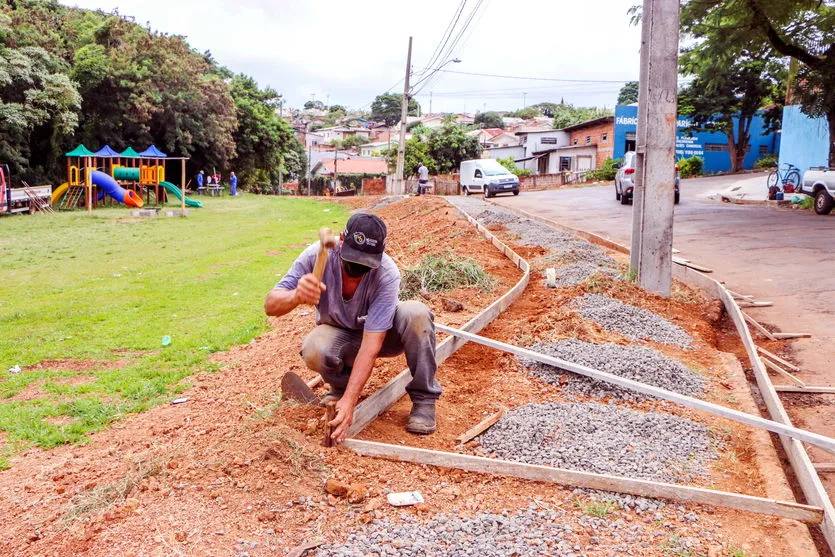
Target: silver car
(625,179)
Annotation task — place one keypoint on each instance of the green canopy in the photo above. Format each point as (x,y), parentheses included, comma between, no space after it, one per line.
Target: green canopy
(81,151)
(129,153)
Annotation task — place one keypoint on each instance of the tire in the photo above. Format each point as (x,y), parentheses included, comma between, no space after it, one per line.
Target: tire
(823,202)
(466,190)
(486,192)
(515,192)
(793,178)
(676,199)
(623,199)
(772,179)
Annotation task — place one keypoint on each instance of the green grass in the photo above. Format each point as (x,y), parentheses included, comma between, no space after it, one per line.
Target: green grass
(442,272)
(599,509)
(104,289)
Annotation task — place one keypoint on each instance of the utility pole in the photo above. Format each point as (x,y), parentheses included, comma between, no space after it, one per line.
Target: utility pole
(430,102)
(399,186)
(524,100)
(309,145)
(652,207)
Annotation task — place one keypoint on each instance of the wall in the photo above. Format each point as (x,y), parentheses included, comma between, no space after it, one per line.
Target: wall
(697,143)
(374,186)
(805,141)
(540,181)
(596,133)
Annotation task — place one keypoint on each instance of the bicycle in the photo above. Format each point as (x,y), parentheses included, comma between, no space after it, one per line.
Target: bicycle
(790,176)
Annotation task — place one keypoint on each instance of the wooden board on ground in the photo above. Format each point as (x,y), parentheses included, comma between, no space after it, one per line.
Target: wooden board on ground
(778,359)
(643,488)
(808,389)
(480,427)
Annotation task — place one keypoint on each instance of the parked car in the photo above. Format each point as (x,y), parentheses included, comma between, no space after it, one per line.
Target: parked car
(819,182)
(487,176)
(625,179)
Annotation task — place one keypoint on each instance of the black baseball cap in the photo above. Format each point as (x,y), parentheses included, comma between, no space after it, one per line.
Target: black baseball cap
(364,240)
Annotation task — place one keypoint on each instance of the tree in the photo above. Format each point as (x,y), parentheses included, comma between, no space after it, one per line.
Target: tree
(449,145)
(792,28)
(510,164)
(628,93)
(417,151)
(388,106)
(314,105)
(488,120)
(337,108)
(526,113)
(728,90)
(354,141)
(569,115)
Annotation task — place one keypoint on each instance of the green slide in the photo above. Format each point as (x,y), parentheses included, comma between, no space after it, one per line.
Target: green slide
(176,191)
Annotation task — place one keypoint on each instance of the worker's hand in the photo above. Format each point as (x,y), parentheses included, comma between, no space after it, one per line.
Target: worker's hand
(343,420)
(308,289)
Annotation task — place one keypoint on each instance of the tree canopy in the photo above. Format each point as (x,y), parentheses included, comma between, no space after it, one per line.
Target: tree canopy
(70,76)
(440,149)
(388,106)
(488,120)
(568,115)
(628,93)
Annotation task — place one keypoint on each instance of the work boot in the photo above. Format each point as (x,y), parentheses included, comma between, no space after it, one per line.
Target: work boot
(421,419)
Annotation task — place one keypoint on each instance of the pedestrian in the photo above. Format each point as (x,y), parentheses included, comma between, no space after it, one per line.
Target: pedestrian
(233,184)
(423,179)
(360,319)
(199,180)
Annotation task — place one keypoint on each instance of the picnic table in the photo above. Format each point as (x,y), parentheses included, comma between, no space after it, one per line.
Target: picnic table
(212,189)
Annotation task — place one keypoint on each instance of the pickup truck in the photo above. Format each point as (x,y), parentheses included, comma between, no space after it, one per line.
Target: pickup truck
(819,182)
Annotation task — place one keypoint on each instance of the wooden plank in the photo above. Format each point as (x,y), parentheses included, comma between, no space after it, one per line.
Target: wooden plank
(590,480)
(480,427)
(816,439)
(738,296)
(825,466)
(774,367)
(753,322)
(788,336)
(692,265)
(368,410)
(778,359)
(755,304)
(808,389)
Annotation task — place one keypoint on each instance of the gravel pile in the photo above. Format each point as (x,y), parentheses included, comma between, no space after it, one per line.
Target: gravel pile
(633,323)
(528,532)
(633,362)
(604,439)
(580,272)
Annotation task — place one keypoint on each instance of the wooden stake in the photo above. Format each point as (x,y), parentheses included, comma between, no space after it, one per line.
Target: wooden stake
(807,389)
(314,382)
(778,359)
(755,304)
(816,439)
(330,414)
(751,321)
(774,367)
(643,488)
(480,427)
(788,336)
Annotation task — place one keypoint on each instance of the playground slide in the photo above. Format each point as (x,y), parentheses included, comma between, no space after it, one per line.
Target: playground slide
(59,193)
(176,191)
(114,190)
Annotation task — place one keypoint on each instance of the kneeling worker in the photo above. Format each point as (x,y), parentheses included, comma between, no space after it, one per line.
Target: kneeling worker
(359,319)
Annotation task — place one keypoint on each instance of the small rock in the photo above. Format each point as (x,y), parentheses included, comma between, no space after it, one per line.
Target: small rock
(451,305)
(335,487)
(356,493)
(265,516)
(180,536)
(131,504)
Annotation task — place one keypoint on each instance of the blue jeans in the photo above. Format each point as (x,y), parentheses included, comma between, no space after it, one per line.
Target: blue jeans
(330,351)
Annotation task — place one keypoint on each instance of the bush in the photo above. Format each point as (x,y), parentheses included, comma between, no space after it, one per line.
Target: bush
(692,166)
(766,161)
(511,166)
(441,272)
(606,171)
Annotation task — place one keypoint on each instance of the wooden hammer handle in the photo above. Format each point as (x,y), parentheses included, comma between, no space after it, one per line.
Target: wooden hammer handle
(321,260)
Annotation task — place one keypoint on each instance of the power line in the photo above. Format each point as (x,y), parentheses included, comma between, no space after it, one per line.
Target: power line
(539,78)
(447,33)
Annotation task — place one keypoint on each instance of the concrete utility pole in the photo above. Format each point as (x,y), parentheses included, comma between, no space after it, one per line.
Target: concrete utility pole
(430,102)
(652,208)
(399,186)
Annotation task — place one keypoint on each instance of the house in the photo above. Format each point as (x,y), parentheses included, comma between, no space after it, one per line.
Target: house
(339,133)
(485,135)
(598,133)
(534,149)
(437,120)
(505,139)
(372,166)
(376,149)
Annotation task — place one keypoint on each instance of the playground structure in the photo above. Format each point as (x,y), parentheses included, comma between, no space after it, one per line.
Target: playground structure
(124,177)
(27,199)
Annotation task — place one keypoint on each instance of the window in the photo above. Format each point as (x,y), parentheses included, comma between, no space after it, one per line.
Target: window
(565,162)
(588,140)
(763,149)
(549,141)
(604,138)
(477,174)
(716,147)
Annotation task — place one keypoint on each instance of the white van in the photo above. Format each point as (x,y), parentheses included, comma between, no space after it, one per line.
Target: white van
(487,176)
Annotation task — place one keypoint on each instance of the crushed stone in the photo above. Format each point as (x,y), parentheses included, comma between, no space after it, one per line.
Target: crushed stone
(639,363)
(604,439)
(632,322)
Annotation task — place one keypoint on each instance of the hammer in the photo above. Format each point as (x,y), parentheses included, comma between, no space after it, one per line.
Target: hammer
(326,242)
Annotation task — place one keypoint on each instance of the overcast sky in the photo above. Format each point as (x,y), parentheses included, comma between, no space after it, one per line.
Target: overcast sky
(348,51)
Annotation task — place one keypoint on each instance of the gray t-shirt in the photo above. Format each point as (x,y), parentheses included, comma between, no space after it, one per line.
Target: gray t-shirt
(372,307)
(423,173)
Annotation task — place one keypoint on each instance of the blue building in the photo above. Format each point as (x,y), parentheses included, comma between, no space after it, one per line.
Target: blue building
(712,147)
(805,141)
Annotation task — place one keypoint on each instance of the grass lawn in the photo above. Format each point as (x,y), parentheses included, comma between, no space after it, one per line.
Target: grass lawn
(86,300)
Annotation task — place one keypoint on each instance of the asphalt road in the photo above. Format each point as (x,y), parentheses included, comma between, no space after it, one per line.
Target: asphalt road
(780,255)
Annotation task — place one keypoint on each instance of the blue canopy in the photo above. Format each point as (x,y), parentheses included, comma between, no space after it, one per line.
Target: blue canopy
(152,151)
(106,151)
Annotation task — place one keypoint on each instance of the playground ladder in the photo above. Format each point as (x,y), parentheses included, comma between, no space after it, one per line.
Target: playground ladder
(39,203)
(72,197)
